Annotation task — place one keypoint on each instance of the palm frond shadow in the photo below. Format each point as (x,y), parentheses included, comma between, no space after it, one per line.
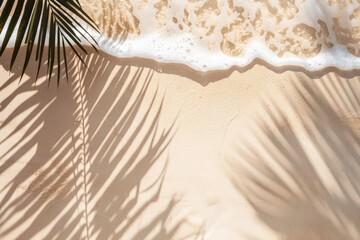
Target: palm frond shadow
(302,179)
(73,160)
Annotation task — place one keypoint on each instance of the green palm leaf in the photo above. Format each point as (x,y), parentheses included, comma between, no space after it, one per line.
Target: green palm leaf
(54,23)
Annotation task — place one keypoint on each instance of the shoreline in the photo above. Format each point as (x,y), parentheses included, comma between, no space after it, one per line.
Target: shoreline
(206,77)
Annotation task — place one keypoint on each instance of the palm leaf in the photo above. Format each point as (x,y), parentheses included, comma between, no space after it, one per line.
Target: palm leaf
(54,23)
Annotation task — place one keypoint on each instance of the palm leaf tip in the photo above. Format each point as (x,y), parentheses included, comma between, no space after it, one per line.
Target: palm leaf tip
(51,23)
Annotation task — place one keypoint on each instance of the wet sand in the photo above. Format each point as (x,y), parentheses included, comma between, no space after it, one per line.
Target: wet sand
(132,149)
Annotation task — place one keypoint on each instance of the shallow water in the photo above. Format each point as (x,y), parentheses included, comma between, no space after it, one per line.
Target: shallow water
(217,34)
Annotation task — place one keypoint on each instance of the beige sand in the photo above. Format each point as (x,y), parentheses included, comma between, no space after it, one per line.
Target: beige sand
(129,150)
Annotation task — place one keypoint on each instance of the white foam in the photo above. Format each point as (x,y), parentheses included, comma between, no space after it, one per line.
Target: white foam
(170,44)
(184,49)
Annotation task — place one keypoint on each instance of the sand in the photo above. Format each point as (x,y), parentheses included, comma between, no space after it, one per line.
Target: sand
(131,149)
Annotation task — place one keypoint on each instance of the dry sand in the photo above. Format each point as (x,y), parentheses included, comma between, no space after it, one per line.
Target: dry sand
(133,150)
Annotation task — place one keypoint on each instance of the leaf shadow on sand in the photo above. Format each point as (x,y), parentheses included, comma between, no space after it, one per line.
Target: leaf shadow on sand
(87,160)
(302,178)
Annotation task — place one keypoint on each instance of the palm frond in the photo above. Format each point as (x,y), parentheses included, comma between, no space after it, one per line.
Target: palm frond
(54,23)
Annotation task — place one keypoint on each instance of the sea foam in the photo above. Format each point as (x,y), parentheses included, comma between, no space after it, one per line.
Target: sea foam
(218,34)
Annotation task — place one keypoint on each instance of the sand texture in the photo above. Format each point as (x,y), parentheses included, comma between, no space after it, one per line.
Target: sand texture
(134,150)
